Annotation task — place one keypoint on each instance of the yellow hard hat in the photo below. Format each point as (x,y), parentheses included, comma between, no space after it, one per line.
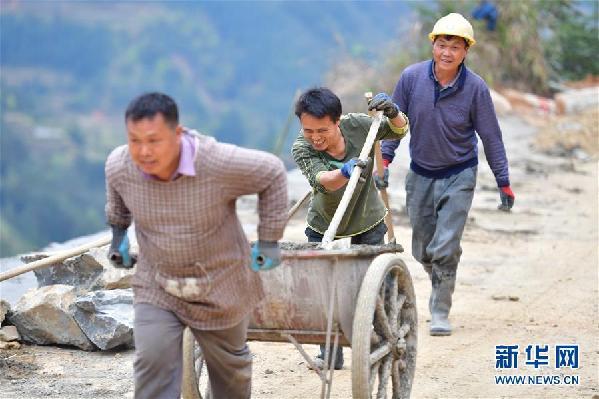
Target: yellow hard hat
(453,24)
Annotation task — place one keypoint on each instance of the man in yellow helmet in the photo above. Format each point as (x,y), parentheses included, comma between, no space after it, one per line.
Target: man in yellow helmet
(447,105)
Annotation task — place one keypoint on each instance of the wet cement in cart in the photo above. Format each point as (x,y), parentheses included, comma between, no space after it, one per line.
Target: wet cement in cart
(355,249)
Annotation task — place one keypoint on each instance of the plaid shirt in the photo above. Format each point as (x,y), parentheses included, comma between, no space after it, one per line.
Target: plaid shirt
(187,229)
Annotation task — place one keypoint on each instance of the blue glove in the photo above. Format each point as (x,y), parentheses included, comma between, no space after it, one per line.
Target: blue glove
(349,166)
(384,182)
(118,254)
(266,255)
(382,102)
(124,251)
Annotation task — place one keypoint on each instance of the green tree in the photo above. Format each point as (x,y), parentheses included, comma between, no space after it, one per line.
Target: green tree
(573,46)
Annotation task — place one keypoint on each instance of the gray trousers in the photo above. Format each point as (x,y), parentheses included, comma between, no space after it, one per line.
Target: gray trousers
(158,362)
(438,210)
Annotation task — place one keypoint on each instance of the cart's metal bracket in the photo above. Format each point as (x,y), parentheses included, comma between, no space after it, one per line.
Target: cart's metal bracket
(306,357)
(327,383)
(329,359)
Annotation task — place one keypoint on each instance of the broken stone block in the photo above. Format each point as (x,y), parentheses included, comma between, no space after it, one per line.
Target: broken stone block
(4,309)
(111,278)
(78,271)
(88,271)
(42,317)
(106,317)
(9,333)
(10,345)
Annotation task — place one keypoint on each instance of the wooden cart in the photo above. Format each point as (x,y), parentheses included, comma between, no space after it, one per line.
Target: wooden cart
(361,297)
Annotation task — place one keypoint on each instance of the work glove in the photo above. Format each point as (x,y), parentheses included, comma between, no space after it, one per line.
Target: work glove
(118,254)
(382,102)
(507,198)
(383,182)
(348,167)
(266,255)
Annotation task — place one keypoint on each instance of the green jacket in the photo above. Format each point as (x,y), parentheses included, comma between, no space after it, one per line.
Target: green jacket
(365,209)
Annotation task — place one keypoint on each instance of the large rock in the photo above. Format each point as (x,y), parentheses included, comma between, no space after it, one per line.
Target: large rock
(9,333)
(88,271)
(106,317)
(4,309)
(10,345)
(529,102)
(42,317)
(111,277)
(79,271)
(573,101)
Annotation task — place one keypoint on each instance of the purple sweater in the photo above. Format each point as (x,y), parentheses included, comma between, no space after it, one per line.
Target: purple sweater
(443,124)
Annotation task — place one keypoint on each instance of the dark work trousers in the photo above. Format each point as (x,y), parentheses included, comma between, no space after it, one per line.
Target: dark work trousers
(158,362)
(438,210)
(374,236)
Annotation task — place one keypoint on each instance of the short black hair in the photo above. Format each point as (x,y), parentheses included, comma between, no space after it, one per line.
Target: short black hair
(149,105)
(450,37)
(319,102)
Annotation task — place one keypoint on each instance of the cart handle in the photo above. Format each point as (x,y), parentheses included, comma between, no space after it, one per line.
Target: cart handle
(57,257)
(329,235)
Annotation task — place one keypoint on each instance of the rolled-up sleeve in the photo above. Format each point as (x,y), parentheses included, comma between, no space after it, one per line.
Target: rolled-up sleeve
(398,132)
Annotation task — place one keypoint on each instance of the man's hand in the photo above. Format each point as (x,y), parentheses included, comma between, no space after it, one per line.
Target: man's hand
(383,182)
(382,102)
(348,167)
(118,254)
(266,255)
(507,199)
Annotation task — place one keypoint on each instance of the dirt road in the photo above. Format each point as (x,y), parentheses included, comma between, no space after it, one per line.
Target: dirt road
(526,278)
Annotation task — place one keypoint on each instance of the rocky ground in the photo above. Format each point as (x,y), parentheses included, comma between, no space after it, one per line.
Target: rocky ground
(528,277)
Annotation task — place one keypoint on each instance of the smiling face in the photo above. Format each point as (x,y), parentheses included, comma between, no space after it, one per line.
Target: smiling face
(322,133)
(449,52)
(154,145)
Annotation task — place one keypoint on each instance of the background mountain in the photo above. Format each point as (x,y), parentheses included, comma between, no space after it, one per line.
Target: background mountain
(68,70)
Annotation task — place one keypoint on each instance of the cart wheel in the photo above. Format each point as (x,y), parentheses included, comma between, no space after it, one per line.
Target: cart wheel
(384,331)
(195,373)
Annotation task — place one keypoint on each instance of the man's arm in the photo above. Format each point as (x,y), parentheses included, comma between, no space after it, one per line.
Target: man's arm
(272,209)
(332,180)
(272,200)
(399,97)
(242,171)
(117,213)
(399,124)
(316,169)
(486,125)
(396,125)
(118,217)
